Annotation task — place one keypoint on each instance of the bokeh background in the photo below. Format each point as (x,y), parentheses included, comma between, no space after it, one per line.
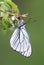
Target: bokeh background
(35,28)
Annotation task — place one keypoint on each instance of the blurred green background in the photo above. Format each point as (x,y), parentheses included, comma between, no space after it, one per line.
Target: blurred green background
(35,28)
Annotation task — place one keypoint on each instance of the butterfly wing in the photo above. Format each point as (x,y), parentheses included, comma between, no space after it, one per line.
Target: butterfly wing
(14,39)
(20,42)
(25,44)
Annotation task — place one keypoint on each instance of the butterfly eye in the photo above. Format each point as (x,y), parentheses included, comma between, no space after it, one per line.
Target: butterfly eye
(19,18)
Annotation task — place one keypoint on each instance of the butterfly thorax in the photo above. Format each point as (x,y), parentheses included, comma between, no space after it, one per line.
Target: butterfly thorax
(21,24)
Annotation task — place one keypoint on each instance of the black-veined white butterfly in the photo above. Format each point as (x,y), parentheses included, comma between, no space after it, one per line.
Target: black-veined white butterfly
(20,40)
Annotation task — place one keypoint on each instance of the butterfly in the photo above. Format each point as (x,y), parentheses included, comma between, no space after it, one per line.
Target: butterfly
(20,40)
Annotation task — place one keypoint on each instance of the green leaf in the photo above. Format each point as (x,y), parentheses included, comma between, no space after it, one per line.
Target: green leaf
(12,4)
(4,6)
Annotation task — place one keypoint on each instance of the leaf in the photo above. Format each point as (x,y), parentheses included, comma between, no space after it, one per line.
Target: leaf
(13,5)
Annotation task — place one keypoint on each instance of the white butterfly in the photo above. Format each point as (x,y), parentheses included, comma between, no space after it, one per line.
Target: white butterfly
(20,40)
